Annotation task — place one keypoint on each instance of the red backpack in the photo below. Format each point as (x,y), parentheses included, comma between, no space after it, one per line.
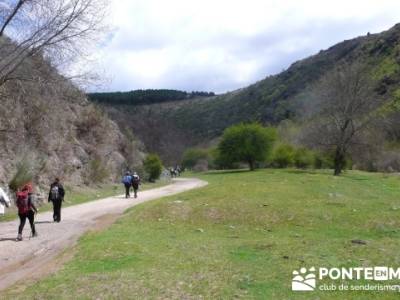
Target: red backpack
(23,202)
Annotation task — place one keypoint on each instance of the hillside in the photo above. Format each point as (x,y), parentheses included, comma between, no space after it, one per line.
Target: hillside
(196,122)
(48,127)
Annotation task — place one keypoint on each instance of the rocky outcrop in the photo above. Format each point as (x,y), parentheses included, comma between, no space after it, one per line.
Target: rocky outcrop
(48,126)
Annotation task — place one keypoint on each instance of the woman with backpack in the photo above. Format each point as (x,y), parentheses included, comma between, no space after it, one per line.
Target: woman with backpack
(26,210)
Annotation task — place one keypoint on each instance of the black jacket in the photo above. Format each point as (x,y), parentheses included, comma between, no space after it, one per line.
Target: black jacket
(61,191)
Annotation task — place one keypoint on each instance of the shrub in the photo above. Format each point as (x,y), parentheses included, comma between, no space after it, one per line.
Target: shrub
(323,161)
(303,158)
(283,156)
(249,143)
(193,156)
(201,166)
(23,175)
(217,161)
(98,171)
(153,166)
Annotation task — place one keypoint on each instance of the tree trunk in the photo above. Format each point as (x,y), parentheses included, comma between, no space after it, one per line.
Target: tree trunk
(339,161)
(251,165)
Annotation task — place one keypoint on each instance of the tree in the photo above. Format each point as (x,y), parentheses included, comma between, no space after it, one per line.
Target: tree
(341,108)
(248,143)
(55,29)
(153,166)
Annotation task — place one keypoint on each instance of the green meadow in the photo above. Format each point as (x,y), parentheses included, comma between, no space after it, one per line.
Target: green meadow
(240,237)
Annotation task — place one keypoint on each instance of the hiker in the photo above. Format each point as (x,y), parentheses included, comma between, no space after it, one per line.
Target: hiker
(178,170)
(172,172)
(127,181)
(4,201)
(56,195)
(135,183)
(26,210)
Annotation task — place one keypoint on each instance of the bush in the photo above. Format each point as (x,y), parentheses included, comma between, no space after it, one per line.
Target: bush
(23,175)
(153,166)
(201,166)
(303,158)
(217,161)
(323,161)
(248,143)
(193,156)
(98,171)
(283,156)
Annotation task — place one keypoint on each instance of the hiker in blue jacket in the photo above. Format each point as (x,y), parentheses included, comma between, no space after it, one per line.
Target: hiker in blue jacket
(127,181)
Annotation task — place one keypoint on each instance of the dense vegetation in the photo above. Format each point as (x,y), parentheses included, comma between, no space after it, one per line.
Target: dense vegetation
(149,96)
(240,237)
(170,128)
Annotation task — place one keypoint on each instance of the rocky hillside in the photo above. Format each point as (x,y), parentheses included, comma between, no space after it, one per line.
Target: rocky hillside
(48,128)
(269,101)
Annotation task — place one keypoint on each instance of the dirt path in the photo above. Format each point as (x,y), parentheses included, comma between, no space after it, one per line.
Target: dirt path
(32,258)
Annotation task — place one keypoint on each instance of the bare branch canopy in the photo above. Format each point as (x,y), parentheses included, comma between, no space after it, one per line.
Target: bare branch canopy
(59,30)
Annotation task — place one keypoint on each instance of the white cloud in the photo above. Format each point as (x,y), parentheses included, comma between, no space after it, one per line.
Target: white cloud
(221,45)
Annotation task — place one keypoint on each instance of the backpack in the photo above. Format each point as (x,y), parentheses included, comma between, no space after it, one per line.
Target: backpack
(54,193)
(127,179)
(135,180)
(23,203)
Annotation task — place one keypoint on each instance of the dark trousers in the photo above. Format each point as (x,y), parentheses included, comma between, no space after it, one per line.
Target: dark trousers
(57,210)
(135,189)
(22,219)
(127,188)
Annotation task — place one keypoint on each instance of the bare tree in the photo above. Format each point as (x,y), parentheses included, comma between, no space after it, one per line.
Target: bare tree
(59,30)
(342,106)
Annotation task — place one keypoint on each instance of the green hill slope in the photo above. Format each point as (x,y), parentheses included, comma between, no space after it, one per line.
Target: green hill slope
(197,121)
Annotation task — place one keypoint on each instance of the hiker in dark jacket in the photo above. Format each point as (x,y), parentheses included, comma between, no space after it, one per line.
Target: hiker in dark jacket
(56,195)
(135,183)
(26,210)
(127,181)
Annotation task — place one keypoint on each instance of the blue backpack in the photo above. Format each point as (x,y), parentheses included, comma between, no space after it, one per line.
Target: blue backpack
(127,179)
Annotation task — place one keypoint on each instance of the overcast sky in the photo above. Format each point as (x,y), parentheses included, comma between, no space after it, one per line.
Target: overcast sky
(222,45)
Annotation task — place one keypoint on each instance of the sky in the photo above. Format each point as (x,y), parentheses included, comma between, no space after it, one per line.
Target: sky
(223,45)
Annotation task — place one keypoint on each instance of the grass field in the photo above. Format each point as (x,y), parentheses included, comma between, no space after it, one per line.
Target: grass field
(80,195)
(240,237)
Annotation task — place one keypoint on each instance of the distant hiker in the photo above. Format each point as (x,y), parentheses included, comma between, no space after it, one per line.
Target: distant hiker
(172,172)
(26,209)
(178,170)
(127,181)
(135,183)
(56,195)
(4,201)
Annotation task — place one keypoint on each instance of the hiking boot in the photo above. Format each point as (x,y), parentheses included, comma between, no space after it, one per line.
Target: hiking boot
(19,238)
